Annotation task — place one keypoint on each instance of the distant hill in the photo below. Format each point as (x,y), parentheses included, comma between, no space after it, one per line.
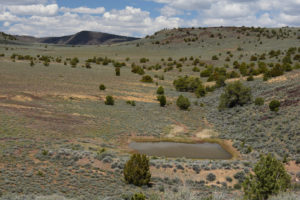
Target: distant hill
(81,38)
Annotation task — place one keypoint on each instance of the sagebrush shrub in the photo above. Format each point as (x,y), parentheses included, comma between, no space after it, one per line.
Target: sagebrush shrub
(211,177)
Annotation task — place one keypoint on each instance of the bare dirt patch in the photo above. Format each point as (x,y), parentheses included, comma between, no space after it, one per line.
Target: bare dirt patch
(21,98)
(284,77)
(206,133)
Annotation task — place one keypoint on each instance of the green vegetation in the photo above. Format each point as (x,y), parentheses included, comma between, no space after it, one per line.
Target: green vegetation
(118,71)
(183,102)
(73,62)
(160,90)
(235,94)
(200,91)
(274,105)
(109,101)
(138,196)
(136,170)
(137,69)
(259,101)
(132,103)
(147,79)
(102,87)
(269,178)
(211,177)
(56,134)
(162,100)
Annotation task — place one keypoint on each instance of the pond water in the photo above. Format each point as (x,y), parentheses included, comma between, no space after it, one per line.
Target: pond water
(175,149)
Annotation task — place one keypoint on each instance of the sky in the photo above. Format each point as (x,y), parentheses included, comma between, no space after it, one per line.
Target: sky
(139,18)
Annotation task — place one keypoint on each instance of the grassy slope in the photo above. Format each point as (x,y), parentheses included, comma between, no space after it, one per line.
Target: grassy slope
(60,110)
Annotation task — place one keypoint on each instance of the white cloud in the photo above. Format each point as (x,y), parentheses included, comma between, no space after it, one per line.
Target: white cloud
(224,10)
(23,2)
(169,11)
(267,13)
(7,16)
(129,21)
(187,4)
(45,18)
(37,9)
(84,10)
(6,24)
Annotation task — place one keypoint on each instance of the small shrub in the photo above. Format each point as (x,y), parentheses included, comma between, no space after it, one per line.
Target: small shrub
(144,60)
(196,69)
(250,78)
(200,91)
(220,81)
(46,63)
(74,62)
(240,176)
(187,84)
(136,170)
(237,186)
(160,90)
(109,100)
(88,65)
(137,69)
(118,71)
(229,179)
(102,87)
(147,79)
(132,103)
(162,100)
(211,177)
(274,105)
(183,103)
(31,63)
(45,152)
(138,196)
(259,101)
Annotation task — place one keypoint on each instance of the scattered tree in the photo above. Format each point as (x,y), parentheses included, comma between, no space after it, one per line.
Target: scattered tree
(137,171)
(109,101)
(118,71)
(102,87)
(269,178)
(147,79)
(160,90)
(235,94)
(274,105)
(183,103)
(138,196)
(162,100)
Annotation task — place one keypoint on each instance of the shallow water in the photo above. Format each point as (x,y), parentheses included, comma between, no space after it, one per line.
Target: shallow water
(174,149)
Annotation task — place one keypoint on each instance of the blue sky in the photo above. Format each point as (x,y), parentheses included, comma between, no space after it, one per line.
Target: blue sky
(140,17)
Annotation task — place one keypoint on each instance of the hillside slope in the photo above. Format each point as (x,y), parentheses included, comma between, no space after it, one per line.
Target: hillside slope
(81,38)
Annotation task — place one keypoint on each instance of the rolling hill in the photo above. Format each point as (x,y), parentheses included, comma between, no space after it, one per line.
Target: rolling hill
(81,38)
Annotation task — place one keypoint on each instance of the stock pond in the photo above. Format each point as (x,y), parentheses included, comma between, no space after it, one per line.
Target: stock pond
(175,149)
